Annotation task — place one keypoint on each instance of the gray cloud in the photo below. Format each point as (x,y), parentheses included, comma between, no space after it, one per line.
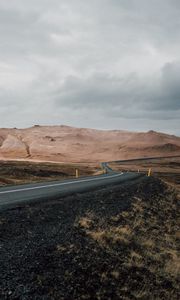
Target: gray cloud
(131,94)
(105,63)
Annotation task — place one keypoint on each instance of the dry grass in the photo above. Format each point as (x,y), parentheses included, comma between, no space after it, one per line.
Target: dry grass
(99,236)
(115,274)
(85,222)
(149,243)
(105,237)
(135,260)
(61,248)
(148,229)
(167,169)
(13,172)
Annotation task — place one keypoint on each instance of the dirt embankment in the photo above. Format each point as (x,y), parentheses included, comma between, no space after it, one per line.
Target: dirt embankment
(119,242)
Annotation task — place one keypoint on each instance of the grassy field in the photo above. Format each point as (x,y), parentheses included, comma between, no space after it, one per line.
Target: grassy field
(18,172)
(167,169)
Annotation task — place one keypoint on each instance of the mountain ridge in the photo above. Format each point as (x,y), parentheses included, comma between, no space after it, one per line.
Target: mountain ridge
(71,144)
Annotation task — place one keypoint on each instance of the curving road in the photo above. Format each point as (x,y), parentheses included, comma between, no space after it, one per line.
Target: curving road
(13,196)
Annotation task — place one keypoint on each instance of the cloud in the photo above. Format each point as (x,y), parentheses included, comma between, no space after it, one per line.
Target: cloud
(125,96)
(171,86)
(91,63)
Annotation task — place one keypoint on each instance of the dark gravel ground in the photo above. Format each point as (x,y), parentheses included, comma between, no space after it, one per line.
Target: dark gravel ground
(118,242)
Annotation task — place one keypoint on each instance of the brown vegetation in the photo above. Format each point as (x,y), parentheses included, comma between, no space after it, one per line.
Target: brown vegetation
(167,169)
(144,238)
(13,172)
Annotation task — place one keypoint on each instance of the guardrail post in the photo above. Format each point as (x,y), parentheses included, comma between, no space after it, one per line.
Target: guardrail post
(77,173)
(149,172)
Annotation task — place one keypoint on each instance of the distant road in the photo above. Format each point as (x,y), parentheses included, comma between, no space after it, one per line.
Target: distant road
(141,158)
(12,196)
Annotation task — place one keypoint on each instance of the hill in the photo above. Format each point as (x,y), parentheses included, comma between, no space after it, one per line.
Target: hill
(64,143)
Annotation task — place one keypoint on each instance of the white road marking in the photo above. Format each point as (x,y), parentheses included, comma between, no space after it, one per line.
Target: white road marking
(59,184)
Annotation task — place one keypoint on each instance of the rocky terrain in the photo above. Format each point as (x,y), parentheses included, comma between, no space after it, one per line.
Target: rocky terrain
(119,242)
(69,144)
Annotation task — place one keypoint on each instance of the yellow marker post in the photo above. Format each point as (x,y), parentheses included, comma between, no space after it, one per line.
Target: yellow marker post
(77,173)
(149,172)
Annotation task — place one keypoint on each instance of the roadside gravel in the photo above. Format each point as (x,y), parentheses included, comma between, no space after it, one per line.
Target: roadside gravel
(91,246)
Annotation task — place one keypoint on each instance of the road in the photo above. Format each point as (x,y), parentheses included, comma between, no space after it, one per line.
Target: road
(141,158)
(13,196)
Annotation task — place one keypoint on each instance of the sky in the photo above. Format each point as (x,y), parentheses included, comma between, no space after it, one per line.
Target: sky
(106,64)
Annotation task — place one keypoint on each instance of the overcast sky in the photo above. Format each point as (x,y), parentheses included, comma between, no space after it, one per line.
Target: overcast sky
(107,64)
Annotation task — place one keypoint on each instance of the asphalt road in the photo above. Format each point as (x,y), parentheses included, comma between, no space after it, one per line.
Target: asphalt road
(142,158)
(13,196)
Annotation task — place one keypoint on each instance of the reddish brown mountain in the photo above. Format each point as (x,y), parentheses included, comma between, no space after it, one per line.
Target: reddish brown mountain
(69,144)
